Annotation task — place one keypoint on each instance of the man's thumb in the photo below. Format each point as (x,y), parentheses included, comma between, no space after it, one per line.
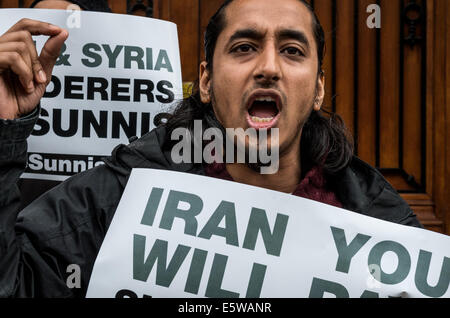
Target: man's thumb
(51,50)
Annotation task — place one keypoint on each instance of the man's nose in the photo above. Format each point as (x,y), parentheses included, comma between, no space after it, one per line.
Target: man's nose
(268,68)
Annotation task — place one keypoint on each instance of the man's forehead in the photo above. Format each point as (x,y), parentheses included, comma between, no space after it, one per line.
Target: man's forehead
(268,15)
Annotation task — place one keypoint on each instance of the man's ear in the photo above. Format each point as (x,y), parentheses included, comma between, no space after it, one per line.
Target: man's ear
(320,91)
(204,83)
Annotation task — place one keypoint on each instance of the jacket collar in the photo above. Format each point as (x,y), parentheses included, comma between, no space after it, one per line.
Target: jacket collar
(146,152)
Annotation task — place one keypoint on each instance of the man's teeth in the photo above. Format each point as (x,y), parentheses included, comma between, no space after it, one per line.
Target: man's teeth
(269,99)
(261,120)
(265,99)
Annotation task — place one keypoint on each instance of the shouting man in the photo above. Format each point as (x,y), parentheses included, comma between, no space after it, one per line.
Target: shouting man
(263,71)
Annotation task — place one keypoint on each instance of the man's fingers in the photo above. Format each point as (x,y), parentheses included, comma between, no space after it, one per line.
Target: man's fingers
(25,37)
(18,51)
(50,52)
(15,62)
(19,47)
(35,27)
(39,74)
(28,27)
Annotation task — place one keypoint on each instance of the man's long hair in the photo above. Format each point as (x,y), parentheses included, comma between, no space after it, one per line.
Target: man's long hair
(324,142)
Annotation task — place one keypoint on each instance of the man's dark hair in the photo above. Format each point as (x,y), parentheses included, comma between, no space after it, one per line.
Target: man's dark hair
(87,5)
(325,141)
(217,23)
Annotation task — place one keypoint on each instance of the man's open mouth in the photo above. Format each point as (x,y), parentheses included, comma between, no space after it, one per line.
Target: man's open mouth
(263,110)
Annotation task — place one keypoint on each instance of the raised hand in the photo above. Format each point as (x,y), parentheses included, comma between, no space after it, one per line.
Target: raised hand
(23,74)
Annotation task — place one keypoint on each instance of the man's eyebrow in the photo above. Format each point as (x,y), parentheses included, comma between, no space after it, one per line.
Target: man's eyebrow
(282,34)
(293,34)
(246,34)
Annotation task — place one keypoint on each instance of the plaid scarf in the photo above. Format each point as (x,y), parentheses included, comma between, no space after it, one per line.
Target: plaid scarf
(313,186)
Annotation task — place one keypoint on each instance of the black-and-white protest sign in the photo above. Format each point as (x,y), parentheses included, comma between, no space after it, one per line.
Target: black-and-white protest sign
(183,235)
(114,78)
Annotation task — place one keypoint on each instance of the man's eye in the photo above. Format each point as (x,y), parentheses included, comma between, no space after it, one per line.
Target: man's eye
(244,48)
(292,51)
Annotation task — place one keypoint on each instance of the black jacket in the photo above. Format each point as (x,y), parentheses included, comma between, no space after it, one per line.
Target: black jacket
(68,224)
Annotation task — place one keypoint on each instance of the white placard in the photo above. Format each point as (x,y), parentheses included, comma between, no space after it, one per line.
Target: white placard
(183,235)
(115,74)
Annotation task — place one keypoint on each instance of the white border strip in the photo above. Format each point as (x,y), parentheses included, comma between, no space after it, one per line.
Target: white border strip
(43,176)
